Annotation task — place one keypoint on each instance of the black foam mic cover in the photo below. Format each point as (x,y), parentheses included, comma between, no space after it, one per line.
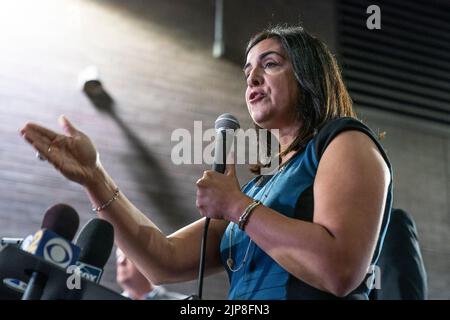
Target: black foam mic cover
(62,219)
(96,240)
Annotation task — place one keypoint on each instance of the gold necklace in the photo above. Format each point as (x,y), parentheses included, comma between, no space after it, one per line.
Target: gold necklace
(230,261)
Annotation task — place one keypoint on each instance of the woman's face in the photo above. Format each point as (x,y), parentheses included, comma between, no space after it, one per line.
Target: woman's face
(272,90)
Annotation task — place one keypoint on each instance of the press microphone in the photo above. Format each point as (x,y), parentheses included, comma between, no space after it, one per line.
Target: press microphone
(226,125)
(58,227)
(52,243)
(96,240)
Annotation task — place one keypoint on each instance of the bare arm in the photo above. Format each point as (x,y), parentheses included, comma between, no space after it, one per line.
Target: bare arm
(162,259)
(334,251)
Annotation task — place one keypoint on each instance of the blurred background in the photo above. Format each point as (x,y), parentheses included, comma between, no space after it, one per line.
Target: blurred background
(166,64)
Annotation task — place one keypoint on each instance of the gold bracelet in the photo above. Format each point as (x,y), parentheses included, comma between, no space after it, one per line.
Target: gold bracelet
(107,203)
(243,219)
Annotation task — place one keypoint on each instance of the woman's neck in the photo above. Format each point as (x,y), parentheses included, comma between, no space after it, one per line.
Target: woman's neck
(286,137)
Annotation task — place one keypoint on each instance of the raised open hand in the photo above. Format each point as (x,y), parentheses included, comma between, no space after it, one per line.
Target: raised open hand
(72,153)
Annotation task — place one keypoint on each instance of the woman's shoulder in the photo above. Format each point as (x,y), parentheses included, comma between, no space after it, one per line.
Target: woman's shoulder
(334,127)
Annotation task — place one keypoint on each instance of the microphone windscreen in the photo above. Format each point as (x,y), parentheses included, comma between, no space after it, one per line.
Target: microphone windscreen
(96,240)
(226,121)
(62,219)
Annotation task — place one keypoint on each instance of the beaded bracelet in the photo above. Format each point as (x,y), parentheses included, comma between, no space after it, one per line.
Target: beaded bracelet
(107,203)
(243,219)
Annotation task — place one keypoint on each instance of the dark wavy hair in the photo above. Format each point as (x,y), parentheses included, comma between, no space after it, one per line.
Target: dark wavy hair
(323,95)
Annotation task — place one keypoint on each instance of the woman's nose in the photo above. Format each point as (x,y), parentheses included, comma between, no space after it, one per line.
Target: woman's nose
(254,79)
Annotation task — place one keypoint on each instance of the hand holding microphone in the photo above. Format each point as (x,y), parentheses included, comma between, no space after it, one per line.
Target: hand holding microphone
(218,189)
(215,190)
(216,193)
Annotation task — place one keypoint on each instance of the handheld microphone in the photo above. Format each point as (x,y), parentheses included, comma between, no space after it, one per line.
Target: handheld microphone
(63,227)
(226,125)
(52,242)
(50,219)
(96,240)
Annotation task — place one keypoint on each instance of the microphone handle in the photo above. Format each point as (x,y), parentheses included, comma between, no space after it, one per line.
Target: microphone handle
(35,287)
(219,165)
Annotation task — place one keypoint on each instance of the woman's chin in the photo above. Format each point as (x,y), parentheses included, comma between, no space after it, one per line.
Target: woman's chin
(260,122)
(260,118)
(264,122)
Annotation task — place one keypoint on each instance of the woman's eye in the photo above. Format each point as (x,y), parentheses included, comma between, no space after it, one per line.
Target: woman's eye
(270,65)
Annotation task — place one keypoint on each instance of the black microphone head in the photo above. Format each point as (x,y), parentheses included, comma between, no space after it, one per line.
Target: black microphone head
(96,240)
(226,121)
(62,219)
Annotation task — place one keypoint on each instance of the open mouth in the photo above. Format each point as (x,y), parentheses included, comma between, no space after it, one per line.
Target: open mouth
(256,96)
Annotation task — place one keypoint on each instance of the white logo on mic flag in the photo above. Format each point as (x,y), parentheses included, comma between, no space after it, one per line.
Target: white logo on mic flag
(58,251)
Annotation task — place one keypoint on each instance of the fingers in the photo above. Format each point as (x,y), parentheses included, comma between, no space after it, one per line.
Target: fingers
(231,158)
(204,180)
(202,211)
(39,137)
(209,175)
(45,141)
(38,131)
(45,148)
(230,167)
(67,126)
(230,170)
(38,141)
(201,183)
(199,202)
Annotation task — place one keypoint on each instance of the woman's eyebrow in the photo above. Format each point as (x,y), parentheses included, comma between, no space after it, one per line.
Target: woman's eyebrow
(262,56)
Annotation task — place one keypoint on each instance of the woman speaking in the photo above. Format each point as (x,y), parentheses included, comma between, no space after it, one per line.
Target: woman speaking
(311,230)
